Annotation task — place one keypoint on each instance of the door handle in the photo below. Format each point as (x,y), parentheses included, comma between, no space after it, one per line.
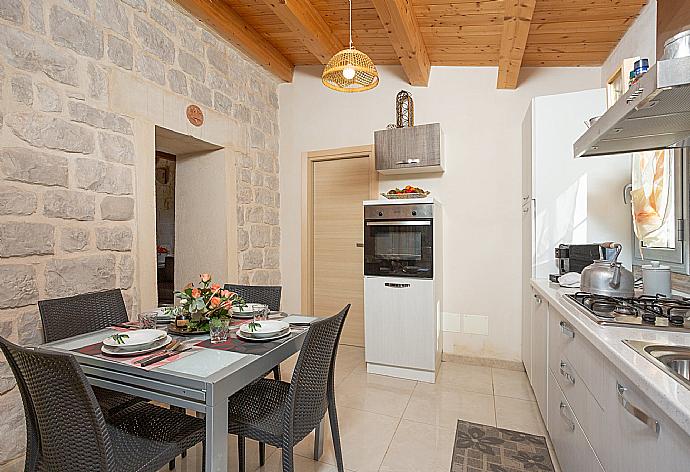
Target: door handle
(635,411)
(568,376)
(567,330)
(407,162)
(359,244)
(394,285)
(570,423)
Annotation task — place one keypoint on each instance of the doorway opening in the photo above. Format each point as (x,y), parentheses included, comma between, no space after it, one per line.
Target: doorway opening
(165,226)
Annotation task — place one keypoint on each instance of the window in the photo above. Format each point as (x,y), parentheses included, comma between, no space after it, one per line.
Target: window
(659,208)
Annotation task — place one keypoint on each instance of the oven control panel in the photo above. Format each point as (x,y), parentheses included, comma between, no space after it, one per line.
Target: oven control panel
(399,212)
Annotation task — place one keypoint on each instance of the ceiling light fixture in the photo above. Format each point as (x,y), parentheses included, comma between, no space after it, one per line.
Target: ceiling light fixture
(350,70)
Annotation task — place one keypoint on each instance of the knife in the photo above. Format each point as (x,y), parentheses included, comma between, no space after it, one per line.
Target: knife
(169,348)
(161,357)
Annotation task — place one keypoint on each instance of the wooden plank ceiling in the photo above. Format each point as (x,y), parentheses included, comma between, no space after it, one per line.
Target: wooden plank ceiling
(416,33)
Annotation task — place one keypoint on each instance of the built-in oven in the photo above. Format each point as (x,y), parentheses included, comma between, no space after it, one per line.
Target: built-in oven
(398,240)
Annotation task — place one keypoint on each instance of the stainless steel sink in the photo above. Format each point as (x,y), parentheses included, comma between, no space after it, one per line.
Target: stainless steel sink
(674,360)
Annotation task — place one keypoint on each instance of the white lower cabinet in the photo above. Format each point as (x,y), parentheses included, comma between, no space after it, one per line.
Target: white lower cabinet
(573,450)
(539,335)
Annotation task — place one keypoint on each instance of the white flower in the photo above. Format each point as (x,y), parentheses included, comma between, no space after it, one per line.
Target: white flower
(183,301)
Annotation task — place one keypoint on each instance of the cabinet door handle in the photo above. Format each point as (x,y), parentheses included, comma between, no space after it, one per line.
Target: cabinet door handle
(394,285)
(566,330)
(635,411)
(568,376)
(407,162)
(537,298)
(570,423)
(359,244)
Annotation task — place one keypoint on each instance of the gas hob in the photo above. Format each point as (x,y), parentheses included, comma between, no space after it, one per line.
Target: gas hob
(672,314)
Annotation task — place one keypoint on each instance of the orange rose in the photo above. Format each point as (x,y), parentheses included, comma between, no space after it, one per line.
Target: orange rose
(196,293)
(205,277)
(215,287)
(215,301)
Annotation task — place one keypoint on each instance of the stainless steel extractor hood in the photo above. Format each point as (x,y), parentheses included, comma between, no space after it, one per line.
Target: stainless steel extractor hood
(655,112)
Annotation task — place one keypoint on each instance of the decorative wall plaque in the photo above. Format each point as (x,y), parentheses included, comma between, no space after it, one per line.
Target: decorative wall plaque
(195,115)
(404,109)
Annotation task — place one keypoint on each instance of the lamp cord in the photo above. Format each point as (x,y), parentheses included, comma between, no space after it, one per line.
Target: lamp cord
(350,1)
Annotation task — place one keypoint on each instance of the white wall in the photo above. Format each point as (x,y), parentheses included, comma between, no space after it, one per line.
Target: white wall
(639,40)
(480,190)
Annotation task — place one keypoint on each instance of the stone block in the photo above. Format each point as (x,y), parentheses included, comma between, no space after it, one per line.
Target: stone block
(47,131)
(28,165)
(103,177)
(219,82)
(251,259)
(245,161)
(12,10)
(260,235)
(163,19)
(126,268)
(82,6)
(275,236)
(34,54)
(67,277)
(242,239)
(257,139)
(116,148)
(241,113)
(271,182)
(114,238)
(12,427)
(29,329)
(191,65)
(7,381)
(257,179)
(113,15)
(22,89)
(117,208)
(265,162)
(271,258)
(120,52)
(201,93)
(154,40)
(98,82)
(244,194)
(245,176)
(47,98)
(36,21)
(150,68)
(222,103)
(255,214)
(83,113)
(240,215)
(74,238)
(69,204)
(136,4)
(18,282)
(217,58)
(263,196)
(178,81)
(271,216)
(260,277)
(26,239)
(15,201)
(76,33)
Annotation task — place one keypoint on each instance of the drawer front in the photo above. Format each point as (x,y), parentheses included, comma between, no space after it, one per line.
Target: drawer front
(641,437)
(569,346)
(573,451)
(402,148)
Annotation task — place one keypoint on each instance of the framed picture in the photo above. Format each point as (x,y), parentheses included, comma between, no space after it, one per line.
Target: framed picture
(618,83)
(162,176)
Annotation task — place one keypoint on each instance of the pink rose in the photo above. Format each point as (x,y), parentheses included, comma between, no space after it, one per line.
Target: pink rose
(215,287)
(196,293)
(205,277)
(225,293)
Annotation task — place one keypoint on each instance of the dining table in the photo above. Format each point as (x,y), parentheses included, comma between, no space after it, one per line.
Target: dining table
(201,379)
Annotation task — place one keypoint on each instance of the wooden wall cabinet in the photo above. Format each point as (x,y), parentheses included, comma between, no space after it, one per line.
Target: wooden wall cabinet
(416,149)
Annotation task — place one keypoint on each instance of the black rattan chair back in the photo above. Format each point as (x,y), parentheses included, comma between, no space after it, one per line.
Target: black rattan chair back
(61,406)
(66,317)
(264,294)
(312,379)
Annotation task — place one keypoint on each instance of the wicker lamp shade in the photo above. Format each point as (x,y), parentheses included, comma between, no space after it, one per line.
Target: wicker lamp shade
(365,75)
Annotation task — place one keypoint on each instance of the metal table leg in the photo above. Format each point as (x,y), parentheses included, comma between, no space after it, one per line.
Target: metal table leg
(318,440)
(217,438)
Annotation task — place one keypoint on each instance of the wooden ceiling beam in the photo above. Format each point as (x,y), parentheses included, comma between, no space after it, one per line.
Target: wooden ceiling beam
(228,24)
(401,25)
(302,18)
(516,25)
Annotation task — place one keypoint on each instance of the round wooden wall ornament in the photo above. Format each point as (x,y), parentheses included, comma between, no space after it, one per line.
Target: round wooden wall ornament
(195,115)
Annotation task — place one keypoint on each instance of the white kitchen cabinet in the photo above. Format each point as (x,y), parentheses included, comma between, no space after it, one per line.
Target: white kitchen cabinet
(527,338)
(539,336)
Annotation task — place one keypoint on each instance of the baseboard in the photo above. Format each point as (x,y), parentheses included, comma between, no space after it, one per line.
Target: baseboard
(428,376)
(484,361)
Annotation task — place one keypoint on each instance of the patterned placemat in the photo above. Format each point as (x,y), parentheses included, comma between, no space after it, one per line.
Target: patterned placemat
(482,448)
(236,344)
(95,351)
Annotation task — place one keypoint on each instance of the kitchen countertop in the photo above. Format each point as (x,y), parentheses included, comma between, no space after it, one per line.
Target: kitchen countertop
(669,395)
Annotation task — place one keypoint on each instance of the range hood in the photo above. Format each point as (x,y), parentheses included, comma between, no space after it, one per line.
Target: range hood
(655,112)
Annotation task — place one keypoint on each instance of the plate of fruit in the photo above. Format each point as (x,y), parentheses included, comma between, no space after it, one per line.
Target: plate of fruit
(408,192)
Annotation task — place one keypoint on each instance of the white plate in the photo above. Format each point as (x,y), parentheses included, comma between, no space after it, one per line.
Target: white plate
(262,340)
(267,328)
(248,308)
(136,339)
(113,351)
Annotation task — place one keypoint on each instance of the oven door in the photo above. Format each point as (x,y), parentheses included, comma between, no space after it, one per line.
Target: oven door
(401,248)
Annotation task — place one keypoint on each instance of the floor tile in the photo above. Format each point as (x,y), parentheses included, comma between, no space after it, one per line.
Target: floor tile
(375,393)
(364,437)
(302,464)
(442,405)
(512,383)
(471,378)
(419,447)
(519,415)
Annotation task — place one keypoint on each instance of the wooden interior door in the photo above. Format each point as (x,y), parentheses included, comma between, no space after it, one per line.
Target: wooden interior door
(339,187)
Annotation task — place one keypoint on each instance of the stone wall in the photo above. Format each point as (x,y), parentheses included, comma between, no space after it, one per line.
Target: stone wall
(68,220)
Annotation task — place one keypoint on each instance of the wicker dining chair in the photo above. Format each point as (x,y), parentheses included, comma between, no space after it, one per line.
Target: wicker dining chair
(71,316)
(282,414)
(68,431)
(266,295)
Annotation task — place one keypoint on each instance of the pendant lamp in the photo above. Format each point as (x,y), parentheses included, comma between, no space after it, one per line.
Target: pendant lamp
(350,70)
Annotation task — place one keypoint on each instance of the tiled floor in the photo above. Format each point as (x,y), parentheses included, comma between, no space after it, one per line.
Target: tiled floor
(394,425)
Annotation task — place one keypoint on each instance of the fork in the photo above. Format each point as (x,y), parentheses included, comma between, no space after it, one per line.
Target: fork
(170,348)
